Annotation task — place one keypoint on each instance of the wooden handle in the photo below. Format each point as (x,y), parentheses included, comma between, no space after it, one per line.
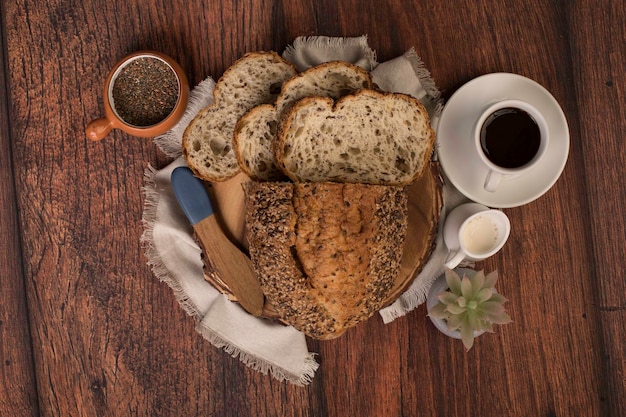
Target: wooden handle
(98,129)
(229,199)
(233,266)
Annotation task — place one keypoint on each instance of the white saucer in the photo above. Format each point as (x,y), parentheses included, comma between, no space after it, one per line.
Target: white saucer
(459,158)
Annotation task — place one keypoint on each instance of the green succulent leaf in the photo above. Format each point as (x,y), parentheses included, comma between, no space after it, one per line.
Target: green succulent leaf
(503,318)
(455,309)
(491,279)
(492,308)
(454,322)
(474,320)
(447,297)
(454,281)
(467,337)
(466,287)
(498,298)
(438,311)
(487,326)
(483,295)
(479,313)
(478,281)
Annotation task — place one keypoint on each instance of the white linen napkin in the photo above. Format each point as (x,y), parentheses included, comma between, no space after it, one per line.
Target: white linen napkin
(175,257)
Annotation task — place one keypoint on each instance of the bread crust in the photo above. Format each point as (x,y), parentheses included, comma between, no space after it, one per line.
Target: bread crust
(326,254)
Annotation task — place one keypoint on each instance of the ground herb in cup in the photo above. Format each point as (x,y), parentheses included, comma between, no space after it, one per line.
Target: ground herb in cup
(145,92)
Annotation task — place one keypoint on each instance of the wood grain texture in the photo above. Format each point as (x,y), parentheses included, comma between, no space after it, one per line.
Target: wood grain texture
(18,390)
(599,68)
(108,339)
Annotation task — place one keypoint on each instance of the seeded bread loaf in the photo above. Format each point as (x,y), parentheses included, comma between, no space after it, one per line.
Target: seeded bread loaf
(252,80)
(256,130)
(368,137)
(326,254)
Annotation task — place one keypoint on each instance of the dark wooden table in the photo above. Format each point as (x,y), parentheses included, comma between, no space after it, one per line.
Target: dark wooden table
(85,328)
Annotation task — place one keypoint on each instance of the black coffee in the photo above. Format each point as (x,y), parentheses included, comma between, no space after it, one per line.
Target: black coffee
(510,137)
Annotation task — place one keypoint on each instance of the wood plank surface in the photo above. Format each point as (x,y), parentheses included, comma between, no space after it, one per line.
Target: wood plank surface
(599,68)
(87,330)
(18,390)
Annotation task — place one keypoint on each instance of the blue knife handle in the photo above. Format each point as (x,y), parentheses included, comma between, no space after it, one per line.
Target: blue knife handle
(191,195)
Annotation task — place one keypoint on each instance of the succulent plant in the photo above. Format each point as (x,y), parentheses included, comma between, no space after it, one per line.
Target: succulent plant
(471,304)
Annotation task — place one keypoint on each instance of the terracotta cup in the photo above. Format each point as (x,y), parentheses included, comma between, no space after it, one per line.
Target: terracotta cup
(99,128)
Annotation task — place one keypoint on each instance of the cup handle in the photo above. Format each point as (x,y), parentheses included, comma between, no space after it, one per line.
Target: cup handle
(492,181)
(454,259)
(98,129)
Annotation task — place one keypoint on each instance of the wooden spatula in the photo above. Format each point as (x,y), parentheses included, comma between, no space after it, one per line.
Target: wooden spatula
(234,267)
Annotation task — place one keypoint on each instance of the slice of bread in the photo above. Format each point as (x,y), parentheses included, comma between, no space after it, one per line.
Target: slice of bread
(252,80)
(368,137)
(331,79)
(256,130)
(326,254)
(253,143)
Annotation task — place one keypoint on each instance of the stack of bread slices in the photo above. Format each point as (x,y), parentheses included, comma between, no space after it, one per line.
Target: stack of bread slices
(330,157)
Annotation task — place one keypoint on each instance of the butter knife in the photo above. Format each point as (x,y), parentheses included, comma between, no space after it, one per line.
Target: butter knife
(232,265)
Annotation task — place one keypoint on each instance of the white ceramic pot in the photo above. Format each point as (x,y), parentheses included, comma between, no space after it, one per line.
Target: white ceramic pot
(440,285)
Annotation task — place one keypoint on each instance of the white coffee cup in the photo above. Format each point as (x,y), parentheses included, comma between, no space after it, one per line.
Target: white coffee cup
(474,232)
(515,148)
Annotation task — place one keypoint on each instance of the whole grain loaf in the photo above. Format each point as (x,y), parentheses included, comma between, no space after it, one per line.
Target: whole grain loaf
(326,254)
